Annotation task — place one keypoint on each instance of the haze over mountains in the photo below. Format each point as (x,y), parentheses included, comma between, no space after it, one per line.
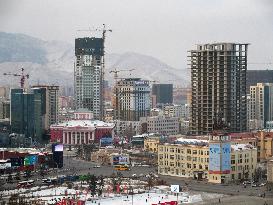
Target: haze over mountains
(52,62)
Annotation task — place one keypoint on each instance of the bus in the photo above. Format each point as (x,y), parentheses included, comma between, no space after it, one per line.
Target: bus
(121,167)
(25,184)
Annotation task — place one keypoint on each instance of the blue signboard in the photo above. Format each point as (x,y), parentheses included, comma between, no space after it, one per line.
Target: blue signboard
(106,142)
(115,160)
(214,157)
(31,160)
(226,149)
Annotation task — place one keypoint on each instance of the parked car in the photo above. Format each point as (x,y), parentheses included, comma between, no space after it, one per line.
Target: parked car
(134,175)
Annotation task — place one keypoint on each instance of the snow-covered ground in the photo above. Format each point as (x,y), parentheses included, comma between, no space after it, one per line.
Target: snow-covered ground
(141,196)
(156,195)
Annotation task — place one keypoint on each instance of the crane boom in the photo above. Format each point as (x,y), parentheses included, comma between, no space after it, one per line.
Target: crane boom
(22,75)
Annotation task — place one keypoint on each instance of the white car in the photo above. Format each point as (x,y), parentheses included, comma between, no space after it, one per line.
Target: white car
(96,166)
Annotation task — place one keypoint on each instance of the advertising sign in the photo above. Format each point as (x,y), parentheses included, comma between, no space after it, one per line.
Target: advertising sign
(115,160)
(5,165)
(31,160)
(59,148)
(106,142)
(226,150)
(214,157)
(123,160)
(120,160)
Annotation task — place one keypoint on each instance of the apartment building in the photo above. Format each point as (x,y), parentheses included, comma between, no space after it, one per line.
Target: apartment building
(243,161)
(261,105)
(160,124)
(50,105)
(132,99)
(218,80)
(188,159)
(192,158)
(181,111)
(122,128)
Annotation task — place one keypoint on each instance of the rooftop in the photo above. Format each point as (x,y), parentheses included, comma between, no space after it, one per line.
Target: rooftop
(191,141)
(238,147)
(85,123)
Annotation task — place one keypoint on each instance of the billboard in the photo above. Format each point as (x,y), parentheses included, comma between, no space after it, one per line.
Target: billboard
(226,150)
(58,148)
(123,160)
(31,160)
(5,165)
(120,160)
(214,157)
(106,141)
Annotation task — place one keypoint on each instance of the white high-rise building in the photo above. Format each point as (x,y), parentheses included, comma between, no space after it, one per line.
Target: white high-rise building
(261,105)
(88,75)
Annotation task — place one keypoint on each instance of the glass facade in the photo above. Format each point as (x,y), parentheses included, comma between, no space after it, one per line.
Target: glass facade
(26,112)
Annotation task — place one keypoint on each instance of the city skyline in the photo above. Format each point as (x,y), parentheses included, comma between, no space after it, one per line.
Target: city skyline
(145,25)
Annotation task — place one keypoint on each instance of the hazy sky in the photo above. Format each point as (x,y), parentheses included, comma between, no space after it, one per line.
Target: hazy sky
(165,29)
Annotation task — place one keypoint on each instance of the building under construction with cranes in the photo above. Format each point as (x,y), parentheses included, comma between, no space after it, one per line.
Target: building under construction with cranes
(89,74)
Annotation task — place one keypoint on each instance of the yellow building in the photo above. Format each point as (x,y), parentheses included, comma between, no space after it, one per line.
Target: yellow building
(243,161)
(189,159)
(265,145)
(270,171)
(151,144)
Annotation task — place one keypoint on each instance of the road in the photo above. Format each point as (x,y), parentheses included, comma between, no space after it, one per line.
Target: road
(204,186)
(76,166)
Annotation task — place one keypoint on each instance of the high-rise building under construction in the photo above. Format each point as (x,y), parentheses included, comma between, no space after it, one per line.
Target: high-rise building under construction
(88,75)
(218,78)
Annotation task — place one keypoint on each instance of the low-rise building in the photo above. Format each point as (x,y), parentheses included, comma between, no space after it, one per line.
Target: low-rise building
(77,132)
(243,161)
(190,158)
(181,111)
(160,124)
(138,140)
(125,128)
(151,144)
(264,145)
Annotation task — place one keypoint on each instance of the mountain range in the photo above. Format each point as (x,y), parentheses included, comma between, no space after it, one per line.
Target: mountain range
(52,62)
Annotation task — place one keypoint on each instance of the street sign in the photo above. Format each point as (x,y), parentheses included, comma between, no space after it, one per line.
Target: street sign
(175,188)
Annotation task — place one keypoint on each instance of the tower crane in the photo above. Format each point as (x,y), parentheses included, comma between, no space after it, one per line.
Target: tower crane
(104,30)
(115,71)
(22,75)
